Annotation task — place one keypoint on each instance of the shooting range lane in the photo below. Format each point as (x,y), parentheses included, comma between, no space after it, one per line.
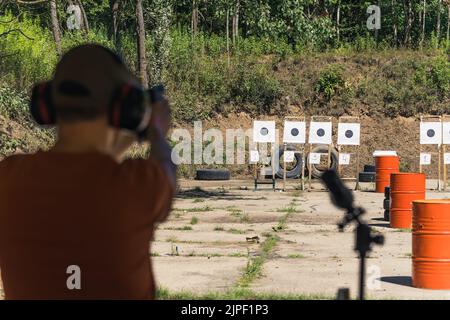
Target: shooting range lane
(310,257)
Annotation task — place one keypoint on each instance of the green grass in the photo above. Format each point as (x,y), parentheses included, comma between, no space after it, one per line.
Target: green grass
(237,255)
(295,256)
(194,220)
(403,230)
(197,200)
(235,231)
(254,265)
(184,228)
(218,228)
(235,294)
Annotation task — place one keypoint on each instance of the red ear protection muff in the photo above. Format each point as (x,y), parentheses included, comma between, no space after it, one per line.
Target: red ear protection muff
(129,108)
(41,105)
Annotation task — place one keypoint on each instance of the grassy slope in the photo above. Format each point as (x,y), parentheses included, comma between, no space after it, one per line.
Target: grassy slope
(374,85)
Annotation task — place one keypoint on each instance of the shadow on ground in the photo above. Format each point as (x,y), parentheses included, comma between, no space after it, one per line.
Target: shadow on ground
(400,280)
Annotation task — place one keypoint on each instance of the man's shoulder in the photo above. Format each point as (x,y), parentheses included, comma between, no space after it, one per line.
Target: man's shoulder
(15,158)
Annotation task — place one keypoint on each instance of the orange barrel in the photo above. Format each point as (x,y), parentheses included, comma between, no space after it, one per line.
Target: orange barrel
(384,166)
(431,244)
(405,188)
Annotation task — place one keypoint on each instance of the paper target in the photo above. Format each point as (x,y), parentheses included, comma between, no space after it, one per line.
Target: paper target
(430,133)
(425,159)
(254,156)
(320,132)
(289,156)
(446,132)
(446,158)
(314,158)
(344,159)
(349,134)
(264,131)
(294,132)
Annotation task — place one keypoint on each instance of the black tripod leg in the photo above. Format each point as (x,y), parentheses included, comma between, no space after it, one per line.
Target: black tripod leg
(362,276)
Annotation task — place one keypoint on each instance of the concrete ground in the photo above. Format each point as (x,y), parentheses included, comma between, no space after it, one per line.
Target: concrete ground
(203,247)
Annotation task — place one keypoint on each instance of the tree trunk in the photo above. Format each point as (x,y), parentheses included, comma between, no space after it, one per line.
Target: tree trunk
(394,19)
(338,21)
(55,27)
(228,35)
(438,22)
(235,22)
(194,18)
(115,37)
(142,59)
(448,23)
(424,18)
(408,22)
(84,19)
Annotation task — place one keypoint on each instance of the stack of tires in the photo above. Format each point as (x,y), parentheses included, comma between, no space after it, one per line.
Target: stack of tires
(368,175)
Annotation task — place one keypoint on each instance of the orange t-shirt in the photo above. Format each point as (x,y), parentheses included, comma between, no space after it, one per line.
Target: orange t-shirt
(78,226)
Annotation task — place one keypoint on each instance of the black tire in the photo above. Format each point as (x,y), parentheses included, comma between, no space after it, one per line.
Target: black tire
(366,177)
(386,204)
(295,172)
(387,192)
(369,168)
(316,170)
(386,215)
(212,174)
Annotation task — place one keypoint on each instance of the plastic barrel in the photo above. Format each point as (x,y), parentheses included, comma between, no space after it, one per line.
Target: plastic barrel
(431,244)
(405,188)
(384,166)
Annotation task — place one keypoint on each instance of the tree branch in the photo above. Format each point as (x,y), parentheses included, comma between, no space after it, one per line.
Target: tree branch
(15,30)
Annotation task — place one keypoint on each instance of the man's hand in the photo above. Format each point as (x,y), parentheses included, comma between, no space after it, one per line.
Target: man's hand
(160,118)
(156,134)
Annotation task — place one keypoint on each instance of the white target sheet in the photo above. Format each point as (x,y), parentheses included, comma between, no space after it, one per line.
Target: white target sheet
(294,132)
(344,159)
(349,134)
(264,131)
(320,132)
(430,133)
(425,159)
(446,132)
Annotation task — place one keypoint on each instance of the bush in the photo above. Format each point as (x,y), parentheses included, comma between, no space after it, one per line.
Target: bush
(330,81)
(28,57)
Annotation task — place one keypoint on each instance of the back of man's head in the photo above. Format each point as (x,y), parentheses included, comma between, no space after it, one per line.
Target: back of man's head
(85,81)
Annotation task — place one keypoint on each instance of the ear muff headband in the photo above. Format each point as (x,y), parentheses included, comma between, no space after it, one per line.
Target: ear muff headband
(41,107)
(117,111)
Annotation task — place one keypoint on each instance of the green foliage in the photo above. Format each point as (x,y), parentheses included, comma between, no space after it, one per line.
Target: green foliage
(435,75)
(27,55)
(330,81)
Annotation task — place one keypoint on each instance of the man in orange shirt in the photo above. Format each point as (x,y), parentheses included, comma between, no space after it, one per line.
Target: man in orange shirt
(76,221)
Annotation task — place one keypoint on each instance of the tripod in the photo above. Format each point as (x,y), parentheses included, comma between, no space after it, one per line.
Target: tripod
(343,198)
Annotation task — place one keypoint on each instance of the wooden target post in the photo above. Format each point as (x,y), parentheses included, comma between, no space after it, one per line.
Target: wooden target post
(445,141)
(311,143)
(301,151)
(431,135)
(350,141)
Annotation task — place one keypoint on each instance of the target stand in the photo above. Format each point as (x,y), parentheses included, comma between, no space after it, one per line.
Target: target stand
(294,134)
(263,132)
(349,136)
(430,132)
(445,142)
(320,133)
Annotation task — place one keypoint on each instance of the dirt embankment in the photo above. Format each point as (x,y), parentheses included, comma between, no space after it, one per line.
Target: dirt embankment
(377,133)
